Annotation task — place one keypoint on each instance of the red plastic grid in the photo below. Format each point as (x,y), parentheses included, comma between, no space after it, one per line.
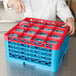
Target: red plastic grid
(22,28)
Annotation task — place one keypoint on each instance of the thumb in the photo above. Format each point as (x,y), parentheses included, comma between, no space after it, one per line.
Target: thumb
(65,25)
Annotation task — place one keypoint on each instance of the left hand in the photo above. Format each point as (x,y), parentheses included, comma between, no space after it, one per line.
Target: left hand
(70,22)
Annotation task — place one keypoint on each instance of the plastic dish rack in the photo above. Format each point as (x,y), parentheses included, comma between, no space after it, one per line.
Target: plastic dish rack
(37,42)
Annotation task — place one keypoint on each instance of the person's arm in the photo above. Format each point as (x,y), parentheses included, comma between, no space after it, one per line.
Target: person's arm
(17,4)
(65,15)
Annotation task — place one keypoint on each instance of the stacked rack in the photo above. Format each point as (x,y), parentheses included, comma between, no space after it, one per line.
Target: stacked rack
(37,42)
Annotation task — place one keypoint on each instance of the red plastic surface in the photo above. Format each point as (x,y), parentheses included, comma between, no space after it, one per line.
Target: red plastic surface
(53,25)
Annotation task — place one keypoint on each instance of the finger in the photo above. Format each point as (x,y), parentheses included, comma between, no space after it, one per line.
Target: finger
(65,25)
(20,8)
(17,9)
(72,31)
(23,6)
(9,4)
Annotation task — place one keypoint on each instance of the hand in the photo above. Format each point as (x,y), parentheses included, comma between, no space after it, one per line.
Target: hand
(70,23)
(18,5)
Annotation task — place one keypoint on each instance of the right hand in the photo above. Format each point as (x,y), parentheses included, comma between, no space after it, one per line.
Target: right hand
(18,5)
